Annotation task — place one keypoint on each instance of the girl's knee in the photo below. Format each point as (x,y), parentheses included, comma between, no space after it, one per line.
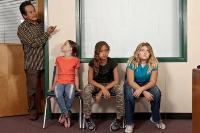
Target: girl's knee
(128,91)
(128,94)
(58,96)
(118,89)
(88,89)
(156,93)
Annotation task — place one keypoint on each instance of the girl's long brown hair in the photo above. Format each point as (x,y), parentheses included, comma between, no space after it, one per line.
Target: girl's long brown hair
(74,47)
(135,60)
(97,59)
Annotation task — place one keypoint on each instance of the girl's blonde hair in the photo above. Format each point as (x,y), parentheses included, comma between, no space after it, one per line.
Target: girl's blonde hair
(152,62)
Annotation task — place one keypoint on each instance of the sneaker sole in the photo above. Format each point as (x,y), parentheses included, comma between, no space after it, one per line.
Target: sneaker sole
(120,127)
(151,119)
(90,129)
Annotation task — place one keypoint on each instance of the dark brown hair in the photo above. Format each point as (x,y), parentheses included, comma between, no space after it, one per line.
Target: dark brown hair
(74,47)
(97,60)
(23,5)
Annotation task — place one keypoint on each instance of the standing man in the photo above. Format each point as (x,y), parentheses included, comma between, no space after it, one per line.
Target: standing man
(32,36)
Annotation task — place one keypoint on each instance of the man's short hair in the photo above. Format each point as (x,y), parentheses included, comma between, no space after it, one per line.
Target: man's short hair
(23,5)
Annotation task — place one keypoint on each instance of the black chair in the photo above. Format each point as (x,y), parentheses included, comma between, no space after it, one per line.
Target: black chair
(51,94)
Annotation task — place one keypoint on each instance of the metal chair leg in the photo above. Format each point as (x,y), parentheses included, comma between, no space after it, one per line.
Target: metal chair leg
(80,112)
(123,124)
(45,112)
(83,124)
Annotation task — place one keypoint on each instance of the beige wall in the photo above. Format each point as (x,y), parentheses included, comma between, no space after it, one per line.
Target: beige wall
(175,79)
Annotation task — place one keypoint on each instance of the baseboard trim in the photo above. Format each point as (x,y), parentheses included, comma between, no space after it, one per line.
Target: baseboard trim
(138,116)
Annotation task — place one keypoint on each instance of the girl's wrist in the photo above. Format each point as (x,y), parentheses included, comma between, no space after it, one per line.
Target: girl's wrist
(142,89)
(103,87)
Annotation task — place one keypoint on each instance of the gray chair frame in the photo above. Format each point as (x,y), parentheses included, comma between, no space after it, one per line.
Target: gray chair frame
(51,94)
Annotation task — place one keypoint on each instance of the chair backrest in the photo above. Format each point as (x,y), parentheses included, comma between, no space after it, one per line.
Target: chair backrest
(125,78)
(54,73)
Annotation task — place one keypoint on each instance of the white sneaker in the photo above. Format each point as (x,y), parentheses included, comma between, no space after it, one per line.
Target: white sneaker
(129,128)
(159,124)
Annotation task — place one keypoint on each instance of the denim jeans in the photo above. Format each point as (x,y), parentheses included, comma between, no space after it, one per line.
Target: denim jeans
(130,103)
(64,96)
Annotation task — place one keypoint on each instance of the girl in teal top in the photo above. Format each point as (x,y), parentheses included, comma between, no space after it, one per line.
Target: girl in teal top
(142,73)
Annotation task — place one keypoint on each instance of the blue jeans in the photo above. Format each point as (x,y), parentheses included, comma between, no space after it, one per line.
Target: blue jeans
(64,97)
(130,103)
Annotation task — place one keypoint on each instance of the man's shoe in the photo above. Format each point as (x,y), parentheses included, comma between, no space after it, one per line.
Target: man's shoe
(34,117)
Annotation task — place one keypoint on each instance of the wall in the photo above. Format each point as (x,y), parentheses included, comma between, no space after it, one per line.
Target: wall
(175,79)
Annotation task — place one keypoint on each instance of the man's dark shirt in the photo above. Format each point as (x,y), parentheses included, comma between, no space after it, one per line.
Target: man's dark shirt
(33,39)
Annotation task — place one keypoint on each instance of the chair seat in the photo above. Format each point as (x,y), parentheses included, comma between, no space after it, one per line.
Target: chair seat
(77,94)
(52,94)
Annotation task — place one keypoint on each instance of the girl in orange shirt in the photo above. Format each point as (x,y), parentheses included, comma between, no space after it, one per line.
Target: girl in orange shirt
(66,80)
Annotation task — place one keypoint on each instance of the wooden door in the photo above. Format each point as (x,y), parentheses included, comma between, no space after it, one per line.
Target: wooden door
(195,100)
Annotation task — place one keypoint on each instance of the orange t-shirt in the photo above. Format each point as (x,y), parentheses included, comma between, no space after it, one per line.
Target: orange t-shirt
(66,69)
